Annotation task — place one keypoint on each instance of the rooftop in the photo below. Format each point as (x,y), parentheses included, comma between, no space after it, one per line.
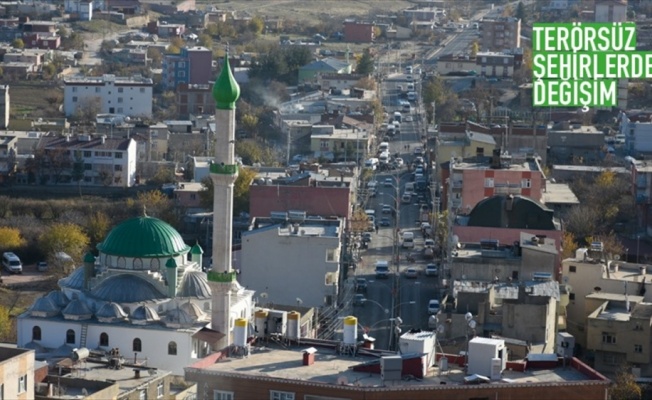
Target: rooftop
(558,193)
(482,164)
(308,227)
(331,368)
(589,168)
(108,78)
(589,129)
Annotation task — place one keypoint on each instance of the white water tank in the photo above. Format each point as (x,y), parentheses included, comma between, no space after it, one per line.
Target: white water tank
(260,321)
(350,330)
(240,332)
(580,254)
(496,368)
(294,324)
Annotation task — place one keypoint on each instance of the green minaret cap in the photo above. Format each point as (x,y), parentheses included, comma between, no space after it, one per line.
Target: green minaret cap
(196,249)
(89,258)
(226,90)
(171,263)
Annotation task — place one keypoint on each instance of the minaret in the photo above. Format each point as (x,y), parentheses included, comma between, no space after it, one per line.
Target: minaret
(223,173)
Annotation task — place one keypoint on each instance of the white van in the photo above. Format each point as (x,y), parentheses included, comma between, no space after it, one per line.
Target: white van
(384,157)
(371,163)
(12,263)
(409,188)
(408,240)
(384,146)
(382,269)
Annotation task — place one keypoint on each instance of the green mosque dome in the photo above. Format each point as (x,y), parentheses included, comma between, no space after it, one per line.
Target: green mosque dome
(144,237)
(226,90)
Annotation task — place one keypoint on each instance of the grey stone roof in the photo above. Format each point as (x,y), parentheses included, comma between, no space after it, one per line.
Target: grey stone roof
(194,284)
(77,308)
(193,310)
(144,314)
(179,316)
(44,305)
(111,312)
(73,281)
(58,298)
(126,288)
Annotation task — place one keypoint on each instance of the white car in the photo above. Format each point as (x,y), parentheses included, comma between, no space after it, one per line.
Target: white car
(408,118)
(398,161)
(388,182)
(433,306)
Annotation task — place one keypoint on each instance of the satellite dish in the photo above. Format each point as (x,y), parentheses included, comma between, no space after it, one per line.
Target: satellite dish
(264,295)
(468,317)
(617,257)
(299,301)
(399,320)
(342,380)
(472,324)
(440,329)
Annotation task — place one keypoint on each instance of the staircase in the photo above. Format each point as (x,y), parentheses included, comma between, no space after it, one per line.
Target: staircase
(84,333)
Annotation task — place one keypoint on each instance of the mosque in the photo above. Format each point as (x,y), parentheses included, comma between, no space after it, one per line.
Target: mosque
(145,294)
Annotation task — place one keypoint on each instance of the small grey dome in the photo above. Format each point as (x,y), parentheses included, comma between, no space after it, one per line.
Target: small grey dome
(194,284)
(144,315)
(193,310)
(77,310)
(178,317)
(126,288)
(58,298)
(73,281)
(44,307)
(111,312)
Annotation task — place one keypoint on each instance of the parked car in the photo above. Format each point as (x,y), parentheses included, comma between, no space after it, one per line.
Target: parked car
(418,151)
(387,209)
(366,237)
(42,266)
(361,285)
(408,118)
(399,161)
(432,270)
(411,273)
(359,299)
(384,221)
(388,182)
(433,306)
(429,243)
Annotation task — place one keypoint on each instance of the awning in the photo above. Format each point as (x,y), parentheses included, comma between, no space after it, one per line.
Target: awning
(208,335)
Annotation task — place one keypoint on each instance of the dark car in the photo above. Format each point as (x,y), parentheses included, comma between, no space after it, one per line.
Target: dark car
(359,300)
(360,285)
(385,221)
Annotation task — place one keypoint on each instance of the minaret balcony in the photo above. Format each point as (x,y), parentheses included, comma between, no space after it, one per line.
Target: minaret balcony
(224,169)
(224,277)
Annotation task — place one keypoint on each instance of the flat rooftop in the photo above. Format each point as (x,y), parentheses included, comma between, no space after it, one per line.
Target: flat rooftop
(486,164)
(559,193)
(331,368)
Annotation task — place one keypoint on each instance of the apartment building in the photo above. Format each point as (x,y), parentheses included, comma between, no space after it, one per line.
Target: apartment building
(290,256)
(193,66)
(358,32)
(5,106)
(96,160)
(16,373)
(130,96)
(495,64)
(637,129)
(8,156)
(610,10)
(642,191)
(194,99)
(589,274)
(340,144)
(475,179)
(499,34)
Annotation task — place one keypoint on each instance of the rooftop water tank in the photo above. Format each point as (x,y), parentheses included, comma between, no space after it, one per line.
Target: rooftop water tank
(294,324)
(240,332)
(350,330)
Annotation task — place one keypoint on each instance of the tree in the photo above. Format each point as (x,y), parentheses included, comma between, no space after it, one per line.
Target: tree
(97,226)
(625,387)
(163,175)
(521,13)
(365,63)
(446,102)
(89,108)
(507,10)
(77,173)
(249,123)
(568,245)
(256,25)
(240,191)
(252,152)
(58,162)
(6,324)
(10,239)
(154,202)
(64,237)
(155,56)
(475,48)
(18,43)
(280,64)
(205,40)
(367,82)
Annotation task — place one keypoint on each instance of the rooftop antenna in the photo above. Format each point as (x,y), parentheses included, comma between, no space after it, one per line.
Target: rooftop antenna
(348,52)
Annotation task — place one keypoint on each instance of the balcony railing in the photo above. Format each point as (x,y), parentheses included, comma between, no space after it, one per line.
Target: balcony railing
(224,169)
(224,277)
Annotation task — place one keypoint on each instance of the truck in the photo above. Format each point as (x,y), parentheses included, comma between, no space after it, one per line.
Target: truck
(382,269)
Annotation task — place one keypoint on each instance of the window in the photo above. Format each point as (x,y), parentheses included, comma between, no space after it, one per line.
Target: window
(159,390)
(571,296)
(638,348)
(276,395)
(142,90)
(22,384)
(88,167)
(118,155)
(36,333)
(120,90)
(117,167)
(137,345)
(97,90)
(74,99)
(172,348)
(119,99)
(70,336)
(609,359)
(88,154)
(526,183)
(488,182)
(104,339)
(142,395)
(74,89)
(572,268)
(608,338)
(330,255)
(222,395)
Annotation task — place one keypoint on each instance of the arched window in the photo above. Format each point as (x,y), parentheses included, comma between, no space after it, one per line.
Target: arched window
(104,339)
(154,264)
(172,348)
(138,345)
(207,306)
(138,263)
(36,333)
(70,336)
(122,263)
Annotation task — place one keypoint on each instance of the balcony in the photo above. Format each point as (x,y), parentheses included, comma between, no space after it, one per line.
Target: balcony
(457,185)
(223,277)
(507,188)
(223,169)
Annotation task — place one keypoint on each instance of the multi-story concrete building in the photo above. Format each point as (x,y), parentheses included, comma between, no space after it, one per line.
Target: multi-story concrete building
(570,143)
(588,274)
(194,99)
(93,160)
(464,145)
(499,34)
(472,181)
(131,96)
(340,144)
(323,371)
(642,192)
(614,11)
(495,64)
(638,133)
(16,373)
(293,258)
(192,66)
(8,156)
